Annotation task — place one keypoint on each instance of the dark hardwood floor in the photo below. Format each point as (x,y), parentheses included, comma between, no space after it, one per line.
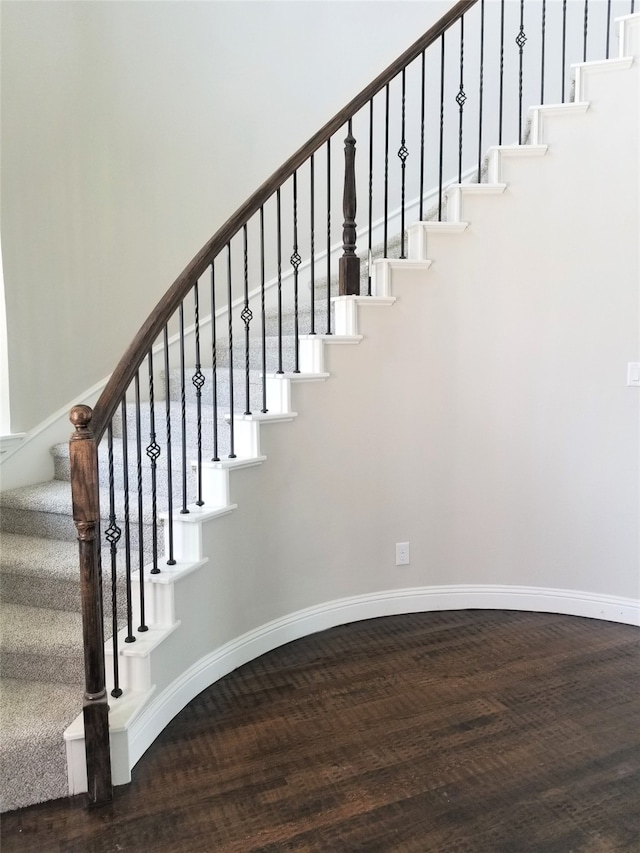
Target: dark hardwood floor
(461,731)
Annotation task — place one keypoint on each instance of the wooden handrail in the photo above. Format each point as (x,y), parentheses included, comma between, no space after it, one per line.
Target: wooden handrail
(123,375)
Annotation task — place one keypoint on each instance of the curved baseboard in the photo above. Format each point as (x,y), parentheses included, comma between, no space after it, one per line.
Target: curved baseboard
(146,727)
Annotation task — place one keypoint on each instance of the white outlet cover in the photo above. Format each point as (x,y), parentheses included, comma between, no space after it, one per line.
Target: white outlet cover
(402,554)
(633,373)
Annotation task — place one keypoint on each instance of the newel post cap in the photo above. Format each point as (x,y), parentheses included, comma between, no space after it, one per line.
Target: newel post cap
(80,416)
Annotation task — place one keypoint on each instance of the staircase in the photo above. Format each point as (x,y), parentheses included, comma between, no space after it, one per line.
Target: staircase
(450,402)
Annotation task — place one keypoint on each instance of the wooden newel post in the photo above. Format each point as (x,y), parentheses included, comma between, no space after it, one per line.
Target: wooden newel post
(83,452)
(349,266)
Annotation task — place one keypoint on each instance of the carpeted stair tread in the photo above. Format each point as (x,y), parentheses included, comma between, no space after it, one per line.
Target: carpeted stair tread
(31,555)
(37,643)
(53,496)
(53,500)
(34,715)
(39,572)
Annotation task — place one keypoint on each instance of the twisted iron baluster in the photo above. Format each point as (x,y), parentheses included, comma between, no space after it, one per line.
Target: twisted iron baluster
(142,626)
(246,316)
(170,558)
(112,535)
(198,381)
(295,261)
(130,638)
(481,93)
(586,28)
(461,99)
(232,453)
(214,365)
(153,452)
(403,153)
(520,41)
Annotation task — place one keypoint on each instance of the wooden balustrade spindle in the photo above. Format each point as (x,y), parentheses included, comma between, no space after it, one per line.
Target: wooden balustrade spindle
(349,265)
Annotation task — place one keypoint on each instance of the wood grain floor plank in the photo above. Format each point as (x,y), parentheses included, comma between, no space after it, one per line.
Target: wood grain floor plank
(453,732)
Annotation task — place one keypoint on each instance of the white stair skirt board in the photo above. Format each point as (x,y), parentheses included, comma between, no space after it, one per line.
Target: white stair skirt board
(144,726)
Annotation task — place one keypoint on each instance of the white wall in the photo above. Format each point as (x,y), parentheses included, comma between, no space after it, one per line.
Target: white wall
(130,131)
(485,419)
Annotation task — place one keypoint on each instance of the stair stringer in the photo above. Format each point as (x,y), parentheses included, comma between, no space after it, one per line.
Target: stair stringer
(272,576)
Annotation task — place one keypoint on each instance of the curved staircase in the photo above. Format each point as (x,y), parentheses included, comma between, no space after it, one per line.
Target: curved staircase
(423,395)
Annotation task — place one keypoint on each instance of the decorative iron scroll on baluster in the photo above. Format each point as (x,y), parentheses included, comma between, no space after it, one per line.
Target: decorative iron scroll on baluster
(295,262)
(520,41)
(349,266)
(83,457)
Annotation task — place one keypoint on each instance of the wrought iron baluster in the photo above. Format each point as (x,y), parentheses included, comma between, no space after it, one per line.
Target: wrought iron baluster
(295,261)
(386,169)
(481,92)
(586,30)
(328,236)
(130,638)
(312,237)
(461,99)
(263,314)
(501,93)
(143,625)
(564,46)
(441,160)
(112,535)
(232,451)
(520,41)
(403,153)
(183,411)
(279,251)
(422,118)
(153,452)
(214,364)
(370,221)
(544,20)
(198,380)
(246,316)
(608,28)
(167,392)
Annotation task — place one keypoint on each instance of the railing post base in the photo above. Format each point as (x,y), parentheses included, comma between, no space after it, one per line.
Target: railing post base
(96,733)
(349,275)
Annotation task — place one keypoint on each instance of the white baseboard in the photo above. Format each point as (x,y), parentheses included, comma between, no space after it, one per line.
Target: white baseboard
(209,669)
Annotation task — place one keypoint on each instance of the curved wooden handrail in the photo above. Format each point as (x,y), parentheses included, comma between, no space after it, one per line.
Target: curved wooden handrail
(135,354)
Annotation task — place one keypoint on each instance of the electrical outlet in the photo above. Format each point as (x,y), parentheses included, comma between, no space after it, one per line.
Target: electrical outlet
(633,373)
(402,553)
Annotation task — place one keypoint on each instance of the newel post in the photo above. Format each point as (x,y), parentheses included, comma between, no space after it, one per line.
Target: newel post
(349,265)
(83,452)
